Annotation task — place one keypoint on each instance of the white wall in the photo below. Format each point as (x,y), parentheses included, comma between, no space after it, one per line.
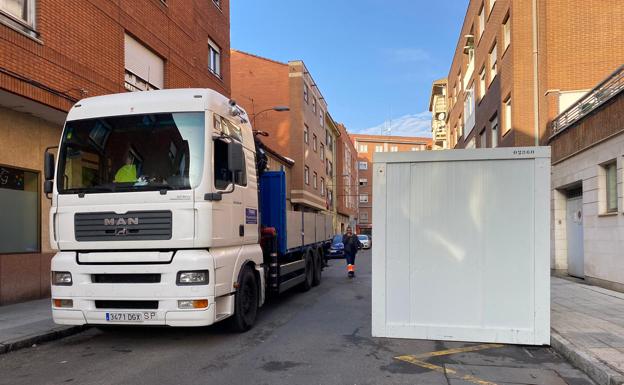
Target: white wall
(603,235)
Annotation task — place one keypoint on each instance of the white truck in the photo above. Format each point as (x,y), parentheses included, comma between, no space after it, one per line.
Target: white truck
(162,216)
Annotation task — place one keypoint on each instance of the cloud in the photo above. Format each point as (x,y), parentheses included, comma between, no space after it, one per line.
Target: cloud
(409,55)
(406,125)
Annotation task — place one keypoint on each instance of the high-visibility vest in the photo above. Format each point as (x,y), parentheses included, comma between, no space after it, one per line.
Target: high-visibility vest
(126,174)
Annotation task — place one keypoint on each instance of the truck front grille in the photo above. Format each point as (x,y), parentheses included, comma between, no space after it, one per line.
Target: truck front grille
(132,226)
(143,305)
(125,278)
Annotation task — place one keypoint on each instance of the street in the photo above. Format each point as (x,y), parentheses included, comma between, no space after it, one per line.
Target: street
(319,337)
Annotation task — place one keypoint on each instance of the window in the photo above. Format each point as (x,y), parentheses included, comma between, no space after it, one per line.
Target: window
(306,134)
(506,33)
(469,110)
(144,70)
(214,58)
(379,149)
(363,198)
(493,59)
(313,104)
(490,6)
(217,3)
(363,217)
(222,173)
(394,149)
(19,205)
(321,118)
(471,143)
(415,149)
(322,152)
(363,165)
(305,93)
(322,187)
(315,180)
(314,142)
(611,187)
(494,125)
(481,22)
(363,182)
(19,14)
(482,139)
(482,85)
(363,148)
(328,140)
(306,175)
(329,168)
(507,115)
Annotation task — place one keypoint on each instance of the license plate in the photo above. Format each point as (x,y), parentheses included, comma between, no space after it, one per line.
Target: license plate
(131,316)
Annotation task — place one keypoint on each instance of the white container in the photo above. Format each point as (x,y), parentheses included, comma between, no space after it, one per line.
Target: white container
(461,245)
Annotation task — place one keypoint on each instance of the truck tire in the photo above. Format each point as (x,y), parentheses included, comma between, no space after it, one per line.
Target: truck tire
(246,302)
(308,272)
(318,267)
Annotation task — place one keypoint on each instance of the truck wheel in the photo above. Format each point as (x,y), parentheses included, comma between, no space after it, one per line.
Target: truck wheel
(318,267)
(309,271)
(246,302)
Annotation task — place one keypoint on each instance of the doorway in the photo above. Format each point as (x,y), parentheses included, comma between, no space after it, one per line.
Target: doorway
(574,232)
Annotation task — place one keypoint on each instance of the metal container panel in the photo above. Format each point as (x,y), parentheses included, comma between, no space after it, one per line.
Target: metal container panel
(462,245)
(294,224)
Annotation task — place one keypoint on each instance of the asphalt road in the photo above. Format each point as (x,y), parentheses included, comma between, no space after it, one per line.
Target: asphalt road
(319,337)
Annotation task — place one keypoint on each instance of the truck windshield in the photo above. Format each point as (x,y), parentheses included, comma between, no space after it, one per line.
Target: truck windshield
(132,153)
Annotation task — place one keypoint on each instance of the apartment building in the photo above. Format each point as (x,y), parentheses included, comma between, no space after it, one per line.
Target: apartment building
(54,53)
(366,146)
(261,85)
(332,133)
(346,193)
(518,64)
(438,107)
(587,226)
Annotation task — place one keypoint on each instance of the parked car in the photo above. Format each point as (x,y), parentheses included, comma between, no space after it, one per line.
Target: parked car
(365,241)
(336,250)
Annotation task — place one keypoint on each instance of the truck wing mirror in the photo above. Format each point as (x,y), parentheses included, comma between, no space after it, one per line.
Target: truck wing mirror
(236,159)
(47,187)
(48,166)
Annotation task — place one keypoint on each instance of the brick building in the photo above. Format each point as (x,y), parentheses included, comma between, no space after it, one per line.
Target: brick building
(438,106)
(331,140)
(259,85)
(516,66)
(347,176)
(55,52)
(587,226)
(366,146)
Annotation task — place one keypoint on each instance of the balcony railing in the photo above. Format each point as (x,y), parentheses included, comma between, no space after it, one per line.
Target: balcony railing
(604,91)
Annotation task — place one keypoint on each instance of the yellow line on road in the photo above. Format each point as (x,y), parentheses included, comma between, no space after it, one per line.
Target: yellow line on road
(459,350)
(416,360)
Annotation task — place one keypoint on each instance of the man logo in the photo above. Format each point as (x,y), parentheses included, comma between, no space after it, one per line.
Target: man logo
(121,221)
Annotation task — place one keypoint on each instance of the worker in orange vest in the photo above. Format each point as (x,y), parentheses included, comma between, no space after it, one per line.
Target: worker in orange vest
(351,246)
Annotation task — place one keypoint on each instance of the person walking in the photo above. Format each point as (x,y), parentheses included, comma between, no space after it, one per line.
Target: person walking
(351,246)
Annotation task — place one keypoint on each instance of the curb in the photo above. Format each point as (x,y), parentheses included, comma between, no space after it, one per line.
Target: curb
(597,370)
(28,341)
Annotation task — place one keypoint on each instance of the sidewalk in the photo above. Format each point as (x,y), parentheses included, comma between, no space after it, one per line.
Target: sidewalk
(588,329)
(29,323)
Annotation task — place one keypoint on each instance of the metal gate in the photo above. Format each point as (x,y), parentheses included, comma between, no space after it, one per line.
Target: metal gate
(574,236)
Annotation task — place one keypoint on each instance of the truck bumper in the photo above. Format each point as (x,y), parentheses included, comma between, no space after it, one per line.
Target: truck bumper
(99,303)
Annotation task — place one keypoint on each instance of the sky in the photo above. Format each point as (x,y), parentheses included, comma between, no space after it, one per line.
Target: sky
(374,60)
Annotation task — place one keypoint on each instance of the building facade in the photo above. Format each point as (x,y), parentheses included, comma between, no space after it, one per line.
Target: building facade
(52,54)
(366,146)
(259,85)
(587,226)
(518,64)
(439,111)
(347,174)
(331,138)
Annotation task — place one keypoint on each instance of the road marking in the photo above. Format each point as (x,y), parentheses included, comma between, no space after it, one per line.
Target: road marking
(459,350)
(416,360)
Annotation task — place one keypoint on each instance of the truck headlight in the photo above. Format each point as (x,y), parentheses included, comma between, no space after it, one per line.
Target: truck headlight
(195,277)
(61,278)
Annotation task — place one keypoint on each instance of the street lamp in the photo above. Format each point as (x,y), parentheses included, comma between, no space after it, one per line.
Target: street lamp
(275,108)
